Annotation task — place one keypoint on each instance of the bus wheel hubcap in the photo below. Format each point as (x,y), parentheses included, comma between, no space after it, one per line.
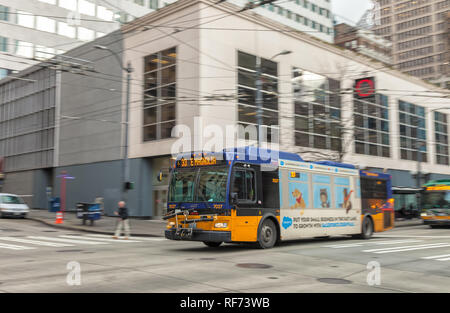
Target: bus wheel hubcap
(267,234)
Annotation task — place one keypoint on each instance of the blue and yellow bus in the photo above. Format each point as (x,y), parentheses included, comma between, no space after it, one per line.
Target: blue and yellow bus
(262,196)
(436,203)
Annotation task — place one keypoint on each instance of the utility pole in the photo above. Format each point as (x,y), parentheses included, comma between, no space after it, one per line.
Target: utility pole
(125,184)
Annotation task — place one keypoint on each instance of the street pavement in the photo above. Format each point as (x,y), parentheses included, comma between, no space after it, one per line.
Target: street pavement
(39,258)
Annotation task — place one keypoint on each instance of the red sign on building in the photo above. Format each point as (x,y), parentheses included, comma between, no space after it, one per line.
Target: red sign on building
(364,87)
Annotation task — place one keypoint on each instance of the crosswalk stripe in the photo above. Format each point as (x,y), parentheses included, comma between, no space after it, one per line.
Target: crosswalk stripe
(36,242)
(131,238)
(68,240)
(405,247)
(446,259)
(98,239)
(408,248)
(393,242)
(14,247)
(436,256)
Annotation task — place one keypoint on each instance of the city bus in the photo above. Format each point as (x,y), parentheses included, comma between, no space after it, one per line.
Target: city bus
(245,195)
(436,203)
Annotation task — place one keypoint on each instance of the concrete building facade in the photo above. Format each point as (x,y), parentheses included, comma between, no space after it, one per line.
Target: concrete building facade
(328,103)
(418,32)
(34,30)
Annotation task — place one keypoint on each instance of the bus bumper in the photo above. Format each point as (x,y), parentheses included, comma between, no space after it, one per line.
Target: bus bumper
(198,235)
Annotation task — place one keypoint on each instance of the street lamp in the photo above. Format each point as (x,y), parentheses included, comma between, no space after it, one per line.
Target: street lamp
(125,161)
(259,94)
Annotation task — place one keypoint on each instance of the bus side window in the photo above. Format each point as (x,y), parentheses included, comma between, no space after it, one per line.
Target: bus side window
(244,185)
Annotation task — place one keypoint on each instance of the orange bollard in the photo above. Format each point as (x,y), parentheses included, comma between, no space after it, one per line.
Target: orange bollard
(59,218)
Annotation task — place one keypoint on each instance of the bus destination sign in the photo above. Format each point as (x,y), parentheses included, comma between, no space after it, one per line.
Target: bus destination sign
(193,162)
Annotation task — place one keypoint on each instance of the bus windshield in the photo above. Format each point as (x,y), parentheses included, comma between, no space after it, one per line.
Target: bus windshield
(208,184)
(436,200)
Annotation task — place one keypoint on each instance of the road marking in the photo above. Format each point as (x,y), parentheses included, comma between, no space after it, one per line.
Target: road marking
(409,236)
(14,247)
(392,242)
(69,240)
(409,248)
(445,257)
(131,238)
(36,242)
(98,239)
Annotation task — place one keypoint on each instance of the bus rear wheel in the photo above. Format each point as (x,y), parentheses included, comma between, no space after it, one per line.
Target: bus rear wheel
(367,228)
(268,235)
(212,244)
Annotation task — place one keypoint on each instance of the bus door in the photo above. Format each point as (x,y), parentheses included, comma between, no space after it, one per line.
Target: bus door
(247,191)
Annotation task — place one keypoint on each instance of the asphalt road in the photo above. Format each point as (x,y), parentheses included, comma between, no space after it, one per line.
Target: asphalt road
(37,258)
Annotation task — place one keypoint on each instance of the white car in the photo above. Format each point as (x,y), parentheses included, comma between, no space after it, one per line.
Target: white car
(12,205)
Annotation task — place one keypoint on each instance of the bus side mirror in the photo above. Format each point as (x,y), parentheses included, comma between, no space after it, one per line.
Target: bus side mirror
(234,198)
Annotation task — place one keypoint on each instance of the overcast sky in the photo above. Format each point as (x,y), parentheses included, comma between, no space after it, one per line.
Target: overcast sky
(348,11)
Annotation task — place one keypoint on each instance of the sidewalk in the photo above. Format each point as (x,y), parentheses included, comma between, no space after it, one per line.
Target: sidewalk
(106,225)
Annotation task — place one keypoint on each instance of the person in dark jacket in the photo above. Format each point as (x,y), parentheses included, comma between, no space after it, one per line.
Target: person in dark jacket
(122,212)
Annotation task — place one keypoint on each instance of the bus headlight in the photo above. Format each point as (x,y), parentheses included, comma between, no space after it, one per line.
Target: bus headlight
(423,214)
(220,225)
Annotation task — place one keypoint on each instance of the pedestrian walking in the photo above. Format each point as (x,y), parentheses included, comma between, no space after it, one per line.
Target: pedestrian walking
(123,222)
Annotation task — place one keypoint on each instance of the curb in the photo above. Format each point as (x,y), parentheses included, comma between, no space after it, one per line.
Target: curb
(86,230)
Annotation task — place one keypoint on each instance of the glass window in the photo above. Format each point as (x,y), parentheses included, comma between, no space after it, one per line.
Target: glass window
(4,13)
(244,185)
(372,121)
(70,5)
(86,7)
(24,49)
(160,94)
(182,185)
(25,19)
(65,30)
(12,200)
(212,184)
(317,110)
(104,13)
(45,24)
(412,131)
(247,78)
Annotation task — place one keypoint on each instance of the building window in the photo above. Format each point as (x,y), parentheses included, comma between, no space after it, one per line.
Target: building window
(45,24)
(25,19)
(4,72)
(4,13)
(160,95)
(317,103)
(371,125)
(412,131)
(247,92)
(3,44)
(24,49)
(441,137)
(153,4)
(65,30)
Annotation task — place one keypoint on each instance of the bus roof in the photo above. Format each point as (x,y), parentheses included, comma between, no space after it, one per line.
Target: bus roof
(437,182)
(258,156)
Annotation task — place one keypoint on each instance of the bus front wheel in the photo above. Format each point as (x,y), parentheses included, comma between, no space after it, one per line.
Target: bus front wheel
(267,236)
(212,244)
